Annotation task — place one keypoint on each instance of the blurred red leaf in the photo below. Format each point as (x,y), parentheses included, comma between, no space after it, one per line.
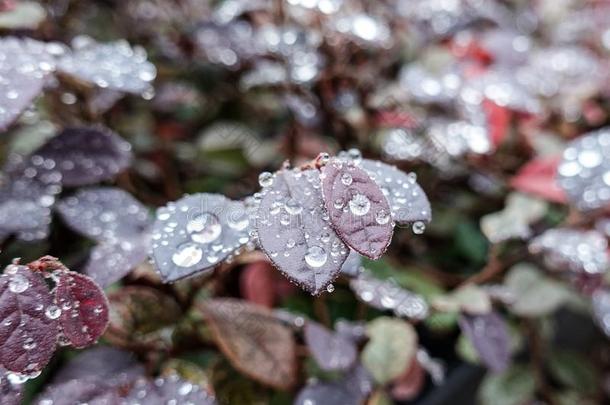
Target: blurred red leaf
(256,283)
(537,177)
(498,121)
(410,384)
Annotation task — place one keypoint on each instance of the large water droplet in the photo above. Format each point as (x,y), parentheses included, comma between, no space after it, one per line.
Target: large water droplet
(187,255)
(316,256)
(52,312)
(204,228)
(238,220)
(418,227)
(355,155)
(293,207)
(18,283)
(382,217)
(359,204)
(265,179)
(346,179)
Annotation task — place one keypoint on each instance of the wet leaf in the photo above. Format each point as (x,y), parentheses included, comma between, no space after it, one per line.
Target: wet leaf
(103,213)
(352,266)
(331,350)
(538,177)
(84,308)
(534,294)
(410,383)
(513,387)
(574,371)
(111,261)
(197,233)
(90,390)
(168,390)
(86,155)
(17,92)
(28,331)
(255,342)
(293,230)
(408,201)
(358,209)
(390,350)
(489,336)
(352,388)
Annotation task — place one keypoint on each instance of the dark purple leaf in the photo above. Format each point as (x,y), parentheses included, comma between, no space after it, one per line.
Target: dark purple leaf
(196,233)
(352,389)
(293,230)
(86,155)
(168,390)
(332,351)
(408,202)
(600,302)
(112,260)
(17,92)
(10,394)
(83,306)
(28,325)
(354,331)
(489,336)
(359,212)
(91,390)
(104,213)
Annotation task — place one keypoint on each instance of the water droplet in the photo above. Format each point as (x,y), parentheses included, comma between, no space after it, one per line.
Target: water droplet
(18,283)
(382,217)
(204,228)
(290,243)
(418,227)
(412,177)
(323,158)
(188,254)
(355,155)
(238,220)
(29,344)
(359,204)
(330,288)
(293,207)
(316,256)
(265,179)
(52,312)
(346,179)
(339,203)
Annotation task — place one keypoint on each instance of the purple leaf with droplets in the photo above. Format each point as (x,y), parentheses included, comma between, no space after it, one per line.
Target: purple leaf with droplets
(359,212)
(489,336)
(84,308)
(112,260)
(387,295)
(352,266)
(293,230)
(104,213)
(331,351)
(92,390)
(408,202)
(27,333)
(352,389)
(600,303)
(196,233)
(170,389)
(354,331)
(18,89)
(10,394)
(86,155)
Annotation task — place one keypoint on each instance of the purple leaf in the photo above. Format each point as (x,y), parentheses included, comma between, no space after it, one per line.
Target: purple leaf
(166,390)
(293,230)
(600,303)
(196,233)
(91,390)
(84,308)
(104,213)
(352,389)
(387,295)
(359,212)
(18,89)
(28,326)
(112,260)
(489,336)
(86,155)
(408,202)
(10,394)
(331,351)
(352,266)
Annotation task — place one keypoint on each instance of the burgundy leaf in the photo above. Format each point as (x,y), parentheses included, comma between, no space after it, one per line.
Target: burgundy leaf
(196,233)
(409,385)
(359,212)
(489,336)
(17,92)
(84,308)
(168,390)
(293,230)
(408,201)
(352,388)
(112,260)
(10,394)
(103,213)
(28,328)
(332,351)
(86,155)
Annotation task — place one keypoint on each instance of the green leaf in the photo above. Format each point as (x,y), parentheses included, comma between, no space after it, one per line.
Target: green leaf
(574,371)
(535,294)
(515,386)
(471,243)
(391,348)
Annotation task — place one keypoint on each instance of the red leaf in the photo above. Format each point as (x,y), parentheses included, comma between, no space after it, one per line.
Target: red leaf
(538,177)
(84,306)
(410,384)
(498,121)
(256,283)
(359,212)
(28,335)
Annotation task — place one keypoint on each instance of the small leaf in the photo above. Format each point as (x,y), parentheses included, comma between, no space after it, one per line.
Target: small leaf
(538,177)
(358,209)
(167,390)
(18,90)
(110,261)
(574,371)
(86,155)
(255,342)
(352,388)
(534,294)
(489,336)
(515,386)
(408,201)
(293,230)
(84,308)
(103,213)
(331,350)
(410,383)
(390,350)
(257,284)
(196,233)
(28,334)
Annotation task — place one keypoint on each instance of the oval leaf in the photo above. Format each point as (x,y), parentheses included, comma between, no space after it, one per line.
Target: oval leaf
(408,201)
(352,388)
(196,233)
(489,336)
(539,177)
(255,342)
(168,390)
(17,92)
(293,230)
(28,331)
(332,351)
(87,390)
(84,308)
(86,155)
(359,212)
(110,261)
